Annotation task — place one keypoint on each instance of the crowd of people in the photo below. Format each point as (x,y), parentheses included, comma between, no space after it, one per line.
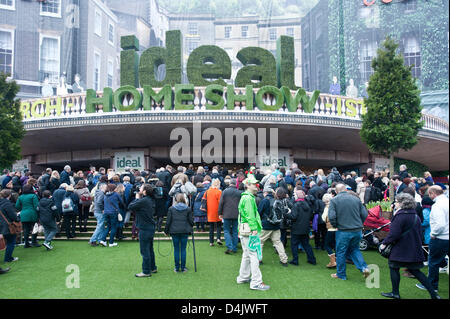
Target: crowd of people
(329,208)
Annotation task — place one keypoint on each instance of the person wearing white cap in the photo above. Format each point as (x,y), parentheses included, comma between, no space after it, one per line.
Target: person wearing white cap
(248,214)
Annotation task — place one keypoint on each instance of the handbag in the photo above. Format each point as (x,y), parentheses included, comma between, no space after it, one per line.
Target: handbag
(119,217)
(244,228)
(2,243)
(204,203)
(38,229)
(14,227)
(386,252)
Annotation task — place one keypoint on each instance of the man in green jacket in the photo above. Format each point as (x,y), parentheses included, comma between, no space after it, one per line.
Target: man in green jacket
(248,213)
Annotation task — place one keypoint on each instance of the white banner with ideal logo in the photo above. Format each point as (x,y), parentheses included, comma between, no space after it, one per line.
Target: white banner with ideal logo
(133,160)
(283,158)
(21,165)
(381,164)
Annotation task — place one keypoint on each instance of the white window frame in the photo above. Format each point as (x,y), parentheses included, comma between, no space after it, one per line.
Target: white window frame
(193,26)
(113,33)
(41,38)
(229,28)
(97,52)
(11,7)
(273,30)
(13,47)
(96,13)
(287,32)
(110,62)
(50,14)
(246,31)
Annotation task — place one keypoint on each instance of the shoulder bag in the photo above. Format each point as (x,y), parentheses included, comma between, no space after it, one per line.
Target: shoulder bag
(386,252)
(14,227)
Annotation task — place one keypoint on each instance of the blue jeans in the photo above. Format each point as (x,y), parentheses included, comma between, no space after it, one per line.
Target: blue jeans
(330,242)
(147,252)
(230,232)
(112,221)
(304,241)
(99,232)
(10,244)
(179,250)
(50,232)
(438,248)
(347,245)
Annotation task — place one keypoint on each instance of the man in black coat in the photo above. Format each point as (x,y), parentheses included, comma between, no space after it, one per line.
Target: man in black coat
(315,190)
(399,185)
(228,211)
(350,182)
(403,172)
(301,215)
(144,207)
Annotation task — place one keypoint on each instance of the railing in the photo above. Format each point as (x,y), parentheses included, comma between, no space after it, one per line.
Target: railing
(330,106)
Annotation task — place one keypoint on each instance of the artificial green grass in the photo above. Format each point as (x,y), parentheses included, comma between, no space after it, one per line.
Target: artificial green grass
(109,273)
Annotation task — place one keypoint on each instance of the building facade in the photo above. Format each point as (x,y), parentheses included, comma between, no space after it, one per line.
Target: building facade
(340,39)
(58,37)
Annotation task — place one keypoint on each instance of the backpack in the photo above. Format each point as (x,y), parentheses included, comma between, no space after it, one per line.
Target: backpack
(67,205)
(274,217)
(158,193)
(86,199)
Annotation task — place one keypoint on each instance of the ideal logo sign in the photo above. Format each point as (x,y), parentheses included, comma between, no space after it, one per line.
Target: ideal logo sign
(283,159)
(133,160)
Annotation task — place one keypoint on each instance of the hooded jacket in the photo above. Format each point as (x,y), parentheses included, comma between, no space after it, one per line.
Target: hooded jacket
(48,213)
(248,212)
(112,202)
(301,215)
(179,220)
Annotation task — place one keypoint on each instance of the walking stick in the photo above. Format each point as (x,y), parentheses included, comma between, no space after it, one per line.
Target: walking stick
(193,248)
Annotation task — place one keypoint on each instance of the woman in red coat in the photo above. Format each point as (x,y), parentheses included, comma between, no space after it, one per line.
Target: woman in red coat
(212,196)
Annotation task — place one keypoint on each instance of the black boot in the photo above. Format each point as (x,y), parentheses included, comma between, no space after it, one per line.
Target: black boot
(4,271)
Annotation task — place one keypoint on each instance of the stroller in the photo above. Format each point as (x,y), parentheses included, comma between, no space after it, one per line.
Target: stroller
(374,225)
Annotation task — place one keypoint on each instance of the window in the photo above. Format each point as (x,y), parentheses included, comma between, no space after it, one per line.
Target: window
(244,30)
(7,4)
(272,34)
(412,55)
(6,51)
(227,32)
(51,8)
(49,59)
(411,5)
(111,33)
(110,73)
(97,66)
(290,32)
(318,25)
(193,28)
(192,45)
(319,71)
(367,51)
(98,23)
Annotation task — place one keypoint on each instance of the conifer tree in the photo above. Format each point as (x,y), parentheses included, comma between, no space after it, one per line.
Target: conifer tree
(393,117)
(11,126)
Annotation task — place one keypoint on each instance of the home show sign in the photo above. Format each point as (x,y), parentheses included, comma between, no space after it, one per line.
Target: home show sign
(207,66)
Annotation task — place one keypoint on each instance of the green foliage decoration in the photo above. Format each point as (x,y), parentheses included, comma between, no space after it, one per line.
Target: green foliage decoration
(165,94)
(198,71)
(11,126)
(123,91)
(92,100)
(259,65)
(183,94)
(171,56)
(270,90)
(214,93)
(286,62)
(414,168)
(129,61)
